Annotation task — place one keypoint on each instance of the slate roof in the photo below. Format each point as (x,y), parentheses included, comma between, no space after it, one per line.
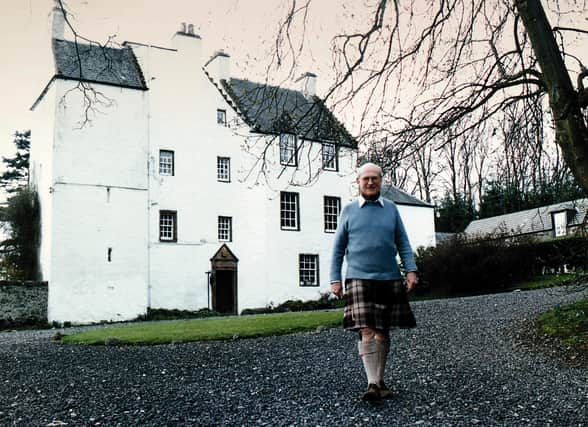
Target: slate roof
(107,65)
(401,197)
(275,110)
(441,237)
(529,221)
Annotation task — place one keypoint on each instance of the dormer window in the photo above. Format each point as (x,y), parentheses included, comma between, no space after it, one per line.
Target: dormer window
(330,161)
(221,117)
(560,223)
(288,149)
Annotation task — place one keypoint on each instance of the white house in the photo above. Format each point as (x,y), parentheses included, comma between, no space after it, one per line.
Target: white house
(545,222)
(418,217)
(183,174)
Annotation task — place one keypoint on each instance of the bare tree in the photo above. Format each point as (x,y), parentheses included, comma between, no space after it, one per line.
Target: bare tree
(94,101)
(420,68)
(395,167)
(267,112)
(424,165)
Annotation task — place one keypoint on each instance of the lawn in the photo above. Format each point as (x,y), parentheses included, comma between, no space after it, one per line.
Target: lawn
(217,328)
(547,281)
(570,323)
(222,328)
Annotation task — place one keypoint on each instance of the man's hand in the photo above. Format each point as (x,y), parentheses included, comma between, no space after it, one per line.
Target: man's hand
(337,289)
(411,280)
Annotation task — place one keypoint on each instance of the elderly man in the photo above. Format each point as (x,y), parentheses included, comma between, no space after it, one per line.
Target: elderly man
(370,234)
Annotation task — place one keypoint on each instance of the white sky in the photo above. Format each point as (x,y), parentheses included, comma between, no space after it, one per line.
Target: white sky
(243,28)
(246,29)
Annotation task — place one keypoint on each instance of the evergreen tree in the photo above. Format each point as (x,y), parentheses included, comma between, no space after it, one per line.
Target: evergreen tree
(16,174)
(454,213)
(500,199)
(20,252)
(19,258)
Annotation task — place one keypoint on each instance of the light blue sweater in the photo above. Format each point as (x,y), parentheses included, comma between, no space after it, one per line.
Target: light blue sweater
(370,237)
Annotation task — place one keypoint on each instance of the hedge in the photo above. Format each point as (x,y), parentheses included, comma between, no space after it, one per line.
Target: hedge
(464,265)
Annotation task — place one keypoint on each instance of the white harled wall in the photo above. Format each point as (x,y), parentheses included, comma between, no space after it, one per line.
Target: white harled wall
(183,119)
(95,198)
(106,192)
(419,223)
(41,172)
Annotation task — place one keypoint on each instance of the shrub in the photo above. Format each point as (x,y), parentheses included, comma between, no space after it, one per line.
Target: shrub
(464,265)
(165,314)
(24,323)
(323,303)
(22,217)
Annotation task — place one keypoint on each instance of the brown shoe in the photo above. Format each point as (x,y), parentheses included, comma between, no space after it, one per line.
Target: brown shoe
(372,394)
(385,392)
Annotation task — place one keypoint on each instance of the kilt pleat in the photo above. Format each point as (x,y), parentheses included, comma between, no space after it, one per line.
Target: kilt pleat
(377,304)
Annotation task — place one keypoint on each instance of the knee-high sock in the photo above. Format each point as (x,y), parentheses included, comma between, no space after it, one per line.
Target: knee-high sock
(369,353)
(383,349)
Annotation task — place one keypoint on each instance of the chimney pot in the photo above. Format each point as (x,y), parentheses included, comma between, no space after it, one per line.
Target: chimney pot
(183,27)
(191,29)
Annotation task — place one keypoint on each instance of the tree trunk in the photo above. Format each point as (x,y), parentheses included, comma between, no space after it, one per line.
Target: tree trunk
(571,130)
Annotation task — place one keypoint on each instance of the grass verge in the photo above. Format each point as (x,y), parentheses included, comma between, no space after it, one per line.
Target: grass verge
(540,282)
(569,323)
(547,281)
(150,333)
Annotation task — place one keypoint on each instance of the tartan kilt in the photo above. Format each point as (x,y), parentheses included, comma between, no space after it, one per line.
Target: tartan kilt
(376,304)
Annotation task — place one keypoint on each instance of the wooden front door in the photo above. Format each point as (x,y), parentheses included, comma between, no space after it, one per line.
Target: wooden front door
(224,292)
(224,281)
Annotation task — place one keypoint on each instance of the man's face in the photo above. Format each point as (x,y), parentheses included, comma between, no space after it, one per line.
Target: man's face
(369,183)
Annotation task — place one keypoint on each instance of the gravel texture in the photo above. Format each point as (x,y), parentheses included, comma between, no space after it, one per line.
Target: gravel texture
(463,365)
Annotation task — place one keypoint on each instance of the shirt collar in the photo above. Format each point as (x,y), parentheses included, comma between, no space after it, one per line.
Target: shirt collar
(362,201)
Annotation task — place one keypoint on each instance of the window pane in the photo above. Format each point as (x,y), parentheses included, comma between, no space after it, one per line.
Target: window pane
(288,149)
(289,210)
(167,226)
(308,270)
(223,169)
(225,228)
(166,162)
(560,220)
(329,157)
(332,208)
(221,117)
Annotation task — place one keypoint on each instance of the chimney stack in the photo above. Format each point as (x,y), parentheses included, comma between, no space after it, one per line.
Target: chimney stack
(57,21)
(219,66)
(188,45)
(308,84)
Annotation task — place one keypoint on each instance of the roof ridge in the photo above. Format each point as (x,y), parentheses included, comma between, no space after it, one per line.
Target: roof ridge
(537,208)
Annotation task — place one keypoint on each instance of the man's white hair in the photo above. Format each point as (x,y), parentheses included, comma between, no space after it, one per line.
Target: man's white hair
(368,165)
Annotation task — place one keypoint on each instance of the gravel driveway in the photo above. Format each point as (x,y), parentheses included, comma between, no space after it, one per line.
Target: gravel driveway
(459,367)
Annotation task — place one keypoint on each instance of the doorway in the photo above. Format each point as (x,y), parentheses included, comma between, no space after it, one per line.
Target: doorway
(224,281)
(223,299)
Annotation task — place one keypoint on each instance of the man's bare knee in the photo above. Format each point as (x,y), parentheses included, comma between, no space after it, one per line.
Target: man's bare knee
(380,336)
(367,334)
